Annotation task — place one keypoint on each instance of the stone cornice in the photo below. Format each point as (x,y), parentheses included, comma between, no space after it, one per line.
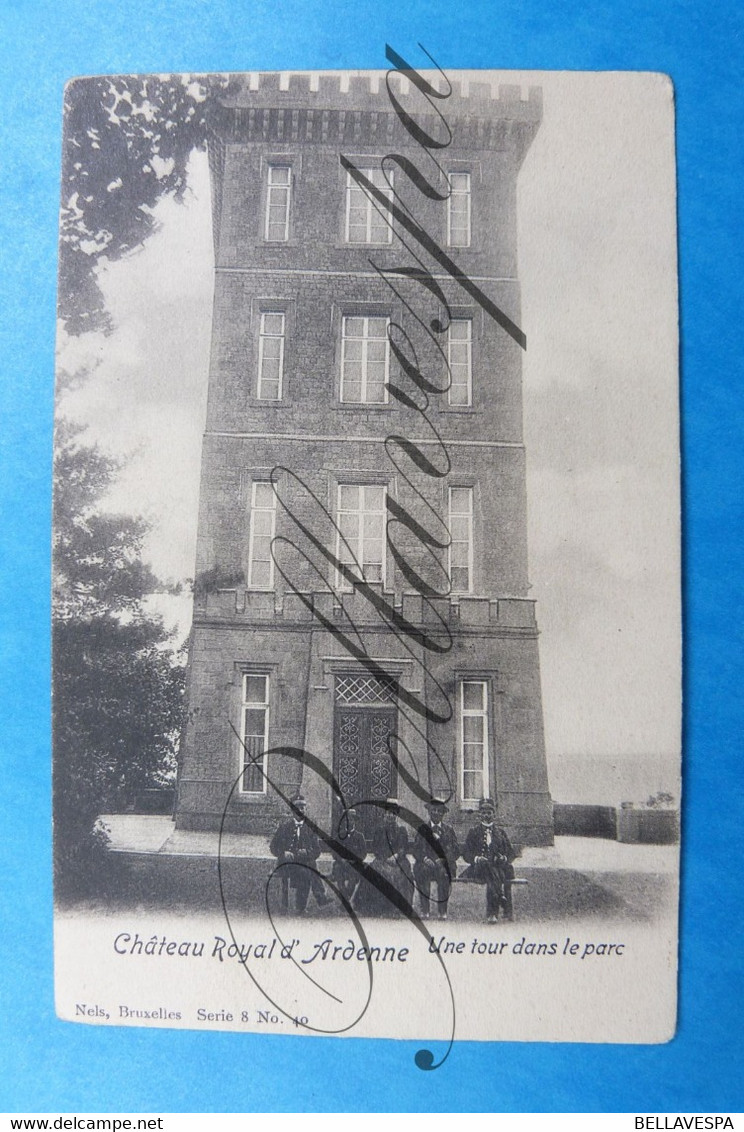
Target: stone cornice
(469,615)
(378,129)
(479,633)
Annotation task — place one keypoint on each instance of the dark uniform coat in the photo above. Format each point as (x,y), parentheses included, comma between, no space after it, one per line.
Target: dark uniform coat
(496,871)
(298,840)
(390,841)
(497,849)
(435,852)
(390,847)
(344,873)
(439,843)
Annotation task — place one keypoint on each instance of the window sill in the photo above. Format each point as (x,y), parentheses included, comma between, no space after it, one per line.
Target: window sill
(346,245)
(367,406)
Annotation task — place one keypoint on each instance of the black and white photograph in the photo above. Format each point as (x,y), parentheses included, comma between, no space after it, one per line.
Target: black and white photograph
(366,610)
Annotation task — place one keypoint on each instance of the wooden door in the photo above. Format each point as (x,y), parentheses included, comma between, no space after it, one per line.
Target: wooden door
(363,761)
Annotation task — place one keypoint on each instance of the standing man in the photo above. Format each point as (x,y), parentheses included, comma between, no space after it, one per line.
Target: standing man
(490,854)
(295,846)
(435,852)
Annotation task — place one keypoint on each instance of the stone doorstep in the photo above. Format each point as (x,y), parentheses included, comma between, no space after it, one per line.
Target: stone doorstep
(157,835)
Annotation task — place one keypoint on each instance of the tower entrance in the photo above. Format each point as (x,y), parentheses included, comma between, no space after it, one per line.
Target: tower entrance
(365,719)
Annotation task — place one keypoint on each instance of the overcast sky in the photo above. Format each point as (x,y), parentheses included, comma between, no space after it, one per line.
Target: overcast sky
(597,257)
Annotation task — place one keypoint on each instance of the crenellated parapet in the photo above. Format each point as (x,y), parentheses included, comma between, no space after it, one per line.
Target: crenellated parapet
(345,89)
(311,107)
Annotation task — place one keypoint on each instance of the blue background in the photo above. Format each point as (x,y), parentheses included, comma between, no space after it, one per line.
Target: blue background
(52,1066)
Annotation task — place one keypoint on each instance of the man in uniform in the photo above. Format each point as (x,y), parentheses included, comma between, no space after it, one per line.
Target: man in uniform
(489,854)
(343,873)
(435,852)
(295,846)
(390,861)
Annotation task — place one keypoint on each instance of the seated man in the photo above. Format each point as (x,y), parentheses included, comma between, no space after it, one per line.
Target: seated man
(490,854)
(435,852)
(390,861)
(295,845)
(343,873)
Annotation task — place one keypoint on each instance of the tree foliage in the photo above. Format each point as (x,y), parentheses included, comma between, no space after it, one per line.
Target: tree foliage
(98,568)
(128,140)
(118,687)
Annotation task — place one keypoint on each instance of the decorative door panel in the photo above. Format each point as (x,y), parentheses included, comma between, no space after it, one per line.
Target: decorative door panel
(363,760)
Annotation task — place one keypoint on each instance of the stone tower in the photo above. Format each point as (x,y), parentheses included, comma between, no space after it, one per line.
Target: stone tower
(361,587)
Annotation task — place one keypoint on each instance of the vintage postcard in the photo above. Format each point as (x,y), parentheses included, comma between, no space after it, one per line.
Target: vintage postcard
(367,570)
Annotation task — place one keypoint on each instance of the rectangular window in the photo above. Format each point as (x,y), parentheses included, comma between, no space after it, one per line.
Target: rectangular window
(460,358)
(367,222)
(474,739)
(360,542)
(270,356)
(461,534)
(278,190)
(254,732)
(263,520)
(458,211)
(364,360)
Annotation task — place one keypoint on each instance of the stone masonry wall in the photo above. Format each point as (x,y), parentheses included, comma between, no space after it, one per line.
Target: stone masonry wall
(310,441)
